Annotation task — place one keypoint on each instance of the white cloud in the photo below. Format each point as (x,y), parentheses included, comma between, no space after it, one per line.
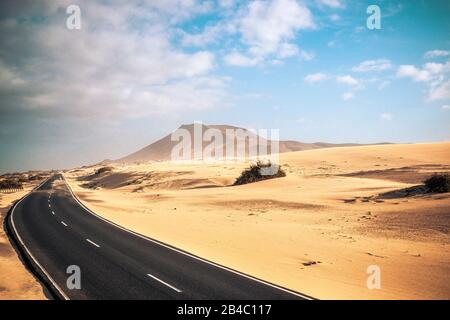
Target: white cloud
(373,65)
(445,107)
(348,96)
(238,59)
(434,75)
(305,55)
(434,68)
(227,3)
(315,77)
(92,86)
(9,78)
(268,27)
(110,69)
(266,24)
(410,71)
(276,62)
(331,3)
(387,116)
(436,53)
(440,92)
(176,96)
(267,32)
(347,79)
(287,50)
(209,35)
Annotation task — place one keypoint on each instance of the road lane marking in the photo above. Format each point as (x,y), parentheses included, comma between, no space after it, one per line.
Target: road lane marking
(93,243)
(164,283)
(64,224)
(53,213)
(49,205)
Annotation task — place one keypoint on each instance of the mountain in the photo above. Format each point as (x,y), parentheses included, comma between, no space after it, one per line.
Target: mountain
(161,150)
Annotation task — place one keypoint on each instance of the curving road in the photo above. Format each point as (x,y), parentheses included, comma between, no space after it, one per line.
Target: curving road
(56,231)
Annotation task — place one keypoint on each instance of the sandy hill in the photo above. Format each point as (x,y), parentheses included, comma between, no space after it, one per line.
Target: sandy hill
(161,149)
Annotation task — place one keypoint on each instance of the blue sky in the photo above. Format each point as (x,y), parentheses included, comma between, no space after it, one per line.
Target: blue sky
(137,70)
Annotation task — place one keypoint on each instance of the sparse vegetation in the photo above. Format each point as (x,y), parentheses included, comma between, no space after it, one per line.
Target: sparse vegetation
(103,170)
(36,177)
(22,179)
(438,183)
(256,173)
(11,184)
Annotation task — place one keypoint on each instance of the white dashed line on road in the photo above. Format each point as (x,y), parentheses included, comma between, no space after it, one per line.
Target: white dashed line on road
(93,243)
(164,283)
(64,224)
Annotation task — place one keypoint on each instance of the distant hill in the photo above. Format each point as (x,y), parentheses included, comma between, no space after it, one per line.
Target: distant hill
(161,150)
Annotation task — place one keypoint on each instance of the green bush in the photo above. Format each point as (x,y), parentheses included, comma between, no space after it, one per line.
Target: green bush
(256,173)
(438,183)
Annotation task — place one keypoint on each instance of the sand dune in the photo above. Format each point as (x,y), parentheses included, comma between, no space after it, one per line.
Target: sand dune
(161,149)
(316,230)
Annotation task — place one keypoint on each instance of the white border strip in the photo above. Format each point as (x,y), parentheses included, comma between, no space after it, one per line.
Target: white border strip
(184,252)
(55,285)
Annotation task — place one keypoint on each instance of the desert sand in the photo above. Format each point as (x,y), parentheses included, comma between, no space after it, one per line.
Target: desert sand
(16,283)
(316,231)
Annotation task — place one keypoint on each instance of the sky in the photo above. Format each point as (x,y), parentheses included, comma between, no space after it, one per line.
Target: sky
(136,70)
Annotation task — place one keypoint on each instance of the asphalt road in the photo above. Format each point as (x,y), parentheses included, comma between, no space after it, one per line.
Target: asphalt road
(56,231)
